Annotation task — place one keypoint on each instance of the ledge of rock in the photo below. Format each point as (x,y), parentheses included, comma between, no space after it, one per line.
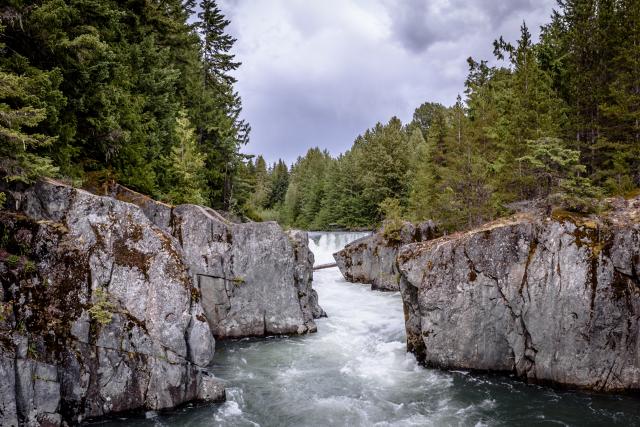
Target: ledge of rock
(554,300)
(372,259)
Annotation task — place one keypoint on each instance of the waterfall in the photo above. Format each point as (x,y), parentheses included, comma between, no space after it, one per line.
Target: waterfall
(324,245)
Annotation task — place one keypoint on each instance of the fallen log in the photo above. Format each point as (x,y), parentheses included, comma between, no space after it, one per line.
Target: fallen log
(323,266)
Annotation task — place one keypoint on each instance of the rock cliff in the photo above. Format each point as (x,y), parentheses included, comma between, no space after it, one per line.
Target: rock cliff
(254,278)
(554,300)
(372,259)
(107,307)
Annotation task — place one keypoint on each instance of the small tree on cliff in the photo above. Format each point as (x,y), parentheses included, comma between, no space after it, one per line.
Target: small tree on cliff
(186,166)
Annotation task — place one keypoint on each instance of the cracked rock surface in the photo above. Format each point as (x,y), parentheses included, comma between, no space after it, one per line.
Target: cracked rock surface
(254,278)
(103,308)
(372,259)
(554,300)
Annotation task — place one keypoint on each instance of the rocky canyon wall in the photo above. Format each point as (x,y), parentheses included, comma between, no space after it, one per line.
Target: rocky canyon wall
(112,304)
(552,299)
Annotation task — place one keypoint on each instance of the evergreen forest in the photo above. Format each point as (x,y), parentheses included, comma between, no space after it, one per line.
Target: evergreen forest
(556,121)
(139,92)
(142,92)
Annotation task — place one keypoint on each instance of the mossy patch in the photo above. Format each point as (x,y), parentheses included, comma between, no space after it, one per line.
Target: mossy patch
(195,294)
(563,215)
(588,233)
(102,309)
(12,261)
(632,194)
(44,303)
(124,255)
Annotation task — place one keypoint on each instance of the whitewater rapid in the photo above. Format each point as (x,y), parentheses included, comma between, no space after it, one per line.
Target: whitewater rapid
(355,371)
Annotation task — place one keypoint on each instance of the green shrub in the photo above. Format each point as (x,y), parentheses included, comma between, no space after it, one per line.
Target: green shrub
(238,281)
(29,267)
(268,215)
(393,223)
(102,309)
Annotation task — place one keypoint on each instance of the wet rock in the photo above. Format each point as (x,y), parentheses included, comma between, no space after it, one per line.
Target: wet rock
(554,300)
(8,407)
(372,259)
(303,276)
(211,389)
(38,392)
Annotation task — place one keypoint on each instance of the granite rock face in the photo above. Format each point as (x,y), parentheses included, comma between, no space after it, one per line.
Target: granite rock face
(246,273)
(554,300)
(98,312)
(372,259)
(254,278)
(107,306)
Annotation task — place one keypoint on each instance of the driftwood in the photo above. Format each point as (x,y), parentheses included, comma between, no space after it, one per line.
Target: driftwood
(323,266)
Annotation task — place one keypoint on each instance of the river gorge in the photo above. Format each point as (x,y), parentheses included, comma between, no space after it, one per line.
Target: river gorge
(355,371)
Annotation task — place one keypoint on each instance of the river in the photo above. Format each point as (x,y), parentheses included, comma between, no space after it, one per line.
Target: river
(355,372)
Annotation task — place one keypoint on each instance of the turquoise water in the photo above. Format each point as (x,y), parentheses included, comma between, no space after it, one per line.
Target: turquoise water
(355,371)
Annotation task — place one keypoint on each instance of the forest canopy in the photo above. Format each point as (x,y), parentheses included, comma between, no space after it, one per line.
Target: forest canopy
(136,91)
(142,92)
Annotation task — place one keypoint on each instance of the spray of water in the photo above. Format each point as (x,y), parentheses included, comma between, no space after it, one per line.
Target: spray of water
(324,245)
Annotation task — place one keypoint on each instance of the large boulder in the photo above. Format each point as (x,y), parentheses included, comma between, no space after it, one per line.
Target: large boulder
(553,300)
(98,312)
(246,274)
(254,279)
(372,259)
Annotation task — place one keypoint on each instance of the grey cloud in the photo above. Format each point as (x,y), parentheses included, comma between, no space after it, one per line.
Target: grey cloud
(418,24)
(320,73)
(288,119)
(415,25)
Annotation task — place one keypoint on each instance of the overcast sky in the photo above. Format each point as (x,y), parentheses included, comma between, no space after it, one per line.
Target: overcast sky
(320,72)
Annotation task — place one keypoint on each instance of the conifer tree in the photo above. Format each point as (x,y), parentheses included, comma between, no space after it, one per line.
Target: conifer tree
(186,166)
(22,109)
(422,188)
(384,159)
(224,134)
(263,186)
(279,184)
